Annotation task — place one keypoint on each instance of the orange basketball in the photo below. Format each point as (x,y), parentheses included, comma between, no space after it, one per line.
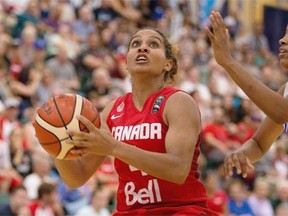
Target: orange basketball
(57,115)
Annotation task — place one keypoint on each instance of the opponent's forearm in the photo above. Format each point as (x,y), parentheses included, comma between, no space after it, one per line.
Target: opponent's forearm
(252,150)
(265,98)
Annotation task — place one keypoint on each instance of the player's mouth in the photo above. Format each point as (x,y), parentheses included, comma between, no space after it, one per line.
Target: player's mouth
(141,58)
(283,52)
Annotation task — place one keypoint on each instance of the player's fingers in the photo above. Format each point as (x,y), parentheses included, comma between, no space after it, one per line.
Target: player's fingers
(213,22)
(219,20)
(236,162)
(228,166)
(246,167)
(78,150)
(77,135)
(86,122)
(77,143)
(249,164)
(243,165)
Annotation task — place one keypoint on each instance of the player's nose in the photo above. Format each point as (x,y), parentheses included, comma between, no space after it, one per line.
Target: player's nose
(143,48)
(284,40)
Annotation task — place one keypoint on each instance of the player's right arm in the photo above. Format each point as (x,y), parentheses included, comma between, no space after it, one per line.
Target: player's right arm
(254,149)
(76,172)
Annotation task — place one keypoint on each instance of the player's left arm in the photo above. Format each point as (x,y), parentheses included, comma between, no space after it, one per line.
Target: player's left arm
(183,119)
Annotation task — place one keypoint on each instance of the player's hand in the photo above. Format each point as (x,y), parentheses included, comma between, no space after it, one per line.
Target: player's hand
(238,160)
(97,141)
(220,38)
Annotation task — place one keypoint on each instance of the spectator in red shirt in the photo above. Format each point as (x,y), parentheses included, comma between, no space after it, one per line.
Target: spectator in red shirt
(217,139)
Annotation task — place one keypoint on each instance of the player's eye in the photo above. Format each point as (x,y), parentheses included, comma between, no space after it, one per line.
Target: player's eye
(135,43)
(154,44)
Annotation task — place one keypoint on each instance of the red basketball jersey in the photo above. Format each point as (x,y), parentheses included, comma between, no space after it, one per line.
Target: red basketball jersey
(138,192)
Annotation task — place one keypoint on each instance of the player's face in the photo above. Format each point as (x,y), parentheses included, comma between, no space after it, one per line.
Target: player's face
(146,53)
(283,55)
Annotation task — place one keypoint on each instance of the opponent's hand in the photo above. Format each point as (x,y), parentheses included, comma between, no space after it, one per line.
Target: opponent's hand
(220,38)
(97,141)
(238,160)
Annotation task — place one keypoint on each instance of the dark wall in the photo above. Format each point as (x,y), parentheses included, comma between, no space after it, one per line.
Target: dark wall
(275,23)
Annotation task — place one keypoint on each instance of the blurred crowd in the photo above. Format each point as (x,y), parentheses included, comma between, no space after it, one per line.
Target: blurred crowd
(50,47)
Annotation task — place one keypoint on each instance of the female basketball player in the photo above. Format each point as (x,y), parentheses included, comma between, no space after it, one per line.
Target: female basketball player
(153,133)
(273,104)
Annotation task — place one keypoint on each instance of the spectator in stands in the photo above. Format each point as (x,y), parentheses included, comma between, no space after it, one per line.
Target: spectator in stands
(17,203)
(73,199)
(238,203)
(107,176)
(258,41)
(192,82)
(51,21)
(47,202)
(101,82)
(5,37)
(104,14)
(9,177)
(30,15)
(26,86)
(83,25)
(217,197)
(98,205)
(282,210)
(67,12)
(9,119)
(64,38)
(201,56)
(48,86)
(39,60)
(15,62)
(20,156)
(205,109)
(26,46)
(126,10)
(248,59)
(281,194)
(64,71)
(96,55)
(259,200)
(5,90)
(270,78)
(217,139)
(41,166)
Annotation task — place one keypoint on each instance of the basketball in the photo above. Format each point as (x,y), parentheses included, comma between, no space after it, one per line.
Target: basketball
(57,115)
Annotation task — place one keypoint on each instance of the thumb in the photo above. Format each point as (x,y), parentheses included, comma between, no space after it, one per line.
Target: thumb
(210,34)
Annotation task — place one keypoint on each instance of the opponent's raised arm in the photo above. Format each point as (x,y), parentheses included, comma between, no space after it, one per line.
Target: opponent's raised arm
(265,98)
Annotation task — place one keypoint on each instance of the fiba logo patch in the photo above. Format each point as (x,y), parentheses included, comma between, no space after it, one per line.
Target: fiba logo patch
(157,104)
